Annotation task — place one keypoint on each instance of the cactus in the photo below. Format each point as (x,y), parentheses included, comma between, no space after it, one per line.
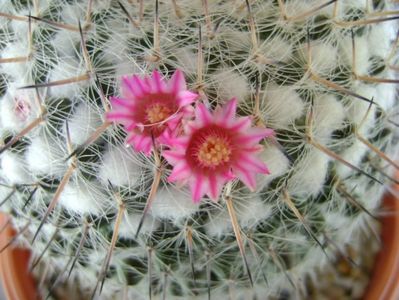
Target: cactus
(320,74)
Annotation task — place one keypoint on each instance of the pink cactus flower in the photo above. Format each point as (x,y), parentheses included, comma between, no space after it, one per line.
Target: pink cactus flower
(214,149)
(22,108)
(149,107)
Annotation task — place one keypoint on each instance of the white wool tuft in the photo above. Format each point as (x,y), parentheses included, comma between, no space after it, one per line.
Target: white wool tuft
(387,93)
(362,53)
(376,190)
(328,115)
(187,59)
(174,204)
(66,68)
(357,110)
(249,212)
(21,29)
(297,7)
(130,223)
(277,163)
(85,197)
(6,191)
(277,49)
(102,5)
(219,224)
(71,13)
(265,10)
(336,219)
(83,122)
(47,230)
(5,7)
(315,256)
(16,49)
(45,156)
(230,84)
(236,40)
(310,174)
(383,94)
(120,166)
(355,4)
(114,49)
(347,6)
(14,168)
(379,45)
(352,226)
(66,43)
(96,257)
(323,56)
(354,154)
(282,105)
(123,68)
(136,293)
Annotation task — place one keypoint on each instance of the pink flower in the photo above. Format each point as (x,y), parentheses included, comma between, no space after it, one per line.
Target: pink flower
(22,108)
(216,148)
(149,107)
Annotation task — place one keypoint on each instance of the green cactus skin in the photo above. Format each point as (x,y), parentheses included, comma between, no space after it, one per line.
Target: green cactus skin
(314,71)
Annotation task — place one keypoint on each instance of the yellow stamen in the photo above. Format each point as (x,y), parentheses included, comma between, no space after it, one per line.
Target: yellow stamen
(157,113)
(214,151)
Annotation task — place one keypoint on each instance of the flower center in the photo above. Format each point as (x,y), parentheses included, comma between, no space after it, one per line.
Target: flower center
(157,113)
(214,151)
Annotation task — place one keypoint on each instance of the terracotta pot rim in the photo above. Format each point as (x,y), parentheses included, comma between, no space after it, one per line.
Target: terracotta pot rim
(18,283)
(384,283)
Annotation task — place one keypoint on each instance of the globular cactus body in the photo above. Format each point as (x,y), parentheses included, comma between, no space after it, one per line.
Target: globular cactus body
(321,74)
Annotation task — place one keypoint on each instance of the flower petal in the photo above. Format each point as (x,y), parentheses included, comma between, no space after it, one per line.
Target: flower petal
(254,135)
(157,83)
(118,116)
(173,156)
(202,115)
(198,187)
(122,103)
(173,141)
(139,85)
(186,97)
(140,142)
(177,82)
(129,89)
(216,183)
(229,175)
(254,164)
(146,147)
(190,127)
(240,124)
(225,115)
(247,177)
(180,172)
